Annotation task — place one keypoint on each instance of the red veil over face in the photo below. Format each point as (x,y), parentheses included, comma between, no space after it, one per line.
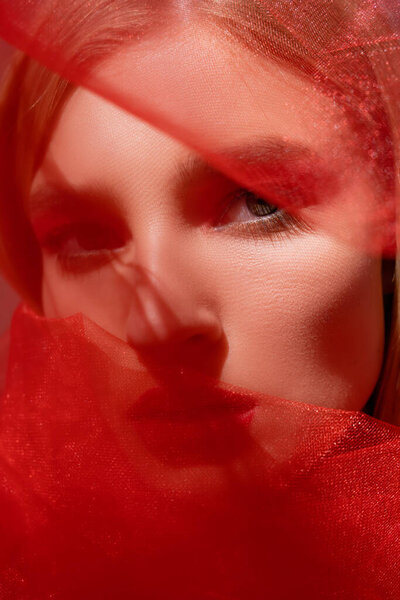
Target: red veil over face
(119,480)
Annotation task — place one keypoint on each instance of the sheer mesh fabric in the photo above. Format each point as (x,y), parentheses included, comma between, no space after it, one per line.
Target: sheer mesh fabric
(97,500)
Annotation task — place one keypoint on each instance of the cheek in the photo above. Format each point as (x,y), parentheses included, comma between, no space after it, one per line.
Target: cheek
(306,321)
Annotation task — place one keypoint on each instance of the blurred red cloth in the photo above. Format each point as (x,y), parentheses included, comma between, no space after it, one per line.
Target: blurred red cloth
(308,508)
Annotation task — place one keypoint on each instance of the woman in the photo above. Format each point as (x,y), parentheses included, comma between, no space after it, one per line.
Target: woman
(216,245)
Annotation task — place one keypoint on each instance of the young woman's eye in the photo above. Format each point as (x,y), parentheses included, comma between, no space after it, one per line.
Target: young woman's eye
(245,205)
(247,211)
(83,246)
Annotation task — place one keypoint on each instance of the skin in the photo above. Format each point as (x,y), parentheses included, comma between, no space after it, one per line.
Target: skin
(296,314)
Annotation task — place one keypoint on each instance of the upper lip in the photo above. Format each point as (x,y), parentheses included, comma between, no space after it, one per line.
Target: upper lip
(189,397)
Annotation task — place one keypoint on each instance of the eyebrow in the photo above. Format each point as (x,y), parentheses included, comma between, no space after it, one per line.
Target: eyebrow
(249,159)
(251,155)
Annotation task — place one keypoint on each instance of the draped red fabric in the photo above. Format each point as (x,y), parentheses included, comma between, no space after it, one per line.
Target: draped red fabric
(122,477)
(98,502)
(173,65)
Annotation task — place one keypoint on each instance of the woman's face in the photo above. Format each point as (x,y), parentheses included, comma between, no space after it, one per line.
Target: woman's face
(163,251)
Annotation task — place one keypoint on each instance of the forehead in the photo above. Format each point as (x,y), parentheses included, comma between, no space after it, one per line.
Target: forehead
(212,95)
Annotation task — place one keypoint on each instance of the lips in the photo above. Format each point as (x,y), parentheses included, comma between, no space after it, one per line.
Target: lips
(188,421)
(189,403)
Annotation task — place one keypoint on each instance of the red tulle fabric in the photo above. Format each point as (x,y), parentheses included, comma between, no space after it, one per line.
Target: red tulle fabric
(305,504)
(117,482)
(171,64)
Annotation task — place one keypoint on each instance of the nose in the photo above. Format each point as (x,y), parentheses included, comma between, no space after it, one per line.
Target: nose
(172,320)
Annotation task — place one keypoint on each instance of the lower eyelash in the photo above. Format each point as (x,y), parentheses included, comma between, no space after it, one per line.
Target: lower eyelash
(82,260)
(277,226)
(83,263)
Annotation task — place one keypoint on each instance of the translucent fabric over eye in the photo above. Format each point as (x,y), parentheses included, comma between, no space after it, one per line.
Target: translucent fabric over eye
(210,74)
(119,480)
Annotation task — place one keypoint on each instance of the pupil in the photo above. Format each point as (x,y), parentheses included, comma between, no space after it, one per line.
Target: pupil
(259,207)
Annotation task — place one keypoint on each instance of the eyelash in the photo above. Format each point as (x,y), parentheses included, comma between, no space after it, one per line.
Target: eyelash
(108,239)
(277,224)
